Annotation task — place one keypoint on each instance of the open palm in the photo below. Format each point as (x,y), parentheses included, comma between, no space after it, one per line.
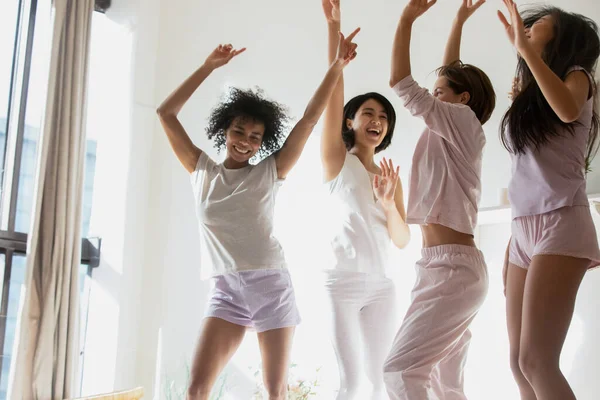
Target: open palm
(467,9)
(384,187)
(222,55)
(415,8)
(515,29)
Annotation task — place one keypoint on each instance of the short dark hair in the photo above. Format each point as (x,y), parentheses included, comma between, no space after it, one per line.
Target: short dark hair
(249,104)
(352,107)
(468,78)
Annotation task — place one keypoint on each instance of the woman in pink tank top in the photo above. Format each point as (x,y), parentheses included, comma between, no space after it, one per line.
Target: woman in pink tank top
(551,131)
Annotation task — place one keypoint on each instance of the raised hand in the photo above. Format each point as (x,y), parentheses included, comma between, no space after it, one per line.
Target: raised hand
(467,9)
(515,29)
(384,186)
(331,8)
(347,48)
(222,55)
(415,8)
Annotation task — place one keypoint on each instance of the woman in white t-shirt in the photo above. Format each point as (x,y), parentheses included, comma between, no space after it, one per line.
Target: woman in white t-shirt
(235,209)
(367,215)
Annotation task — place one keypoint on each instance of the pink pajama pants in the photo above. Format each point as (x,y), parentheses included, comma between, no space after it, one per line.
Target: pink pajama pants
(430,350)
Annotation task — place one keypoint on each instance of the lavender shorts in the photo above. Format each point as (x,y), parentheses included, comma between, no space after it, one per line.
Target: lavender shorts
(259,299)
(568,231)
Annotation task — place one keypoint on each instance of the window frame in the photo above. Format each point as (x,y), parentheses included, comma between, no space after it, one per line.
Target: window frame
(11,241)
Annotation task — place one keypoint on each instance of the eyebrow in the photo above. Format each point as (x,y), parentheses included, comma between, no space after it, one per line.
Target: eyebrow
(372,109)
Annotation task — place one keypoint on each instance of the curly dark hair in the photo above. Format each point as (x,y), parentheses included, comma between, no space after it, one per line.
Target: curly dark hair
(250,104)
(350,110)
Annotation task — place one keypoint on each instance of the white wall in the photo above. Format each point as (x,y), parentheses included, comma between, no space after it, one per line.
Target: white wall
(285,57)
(121,117)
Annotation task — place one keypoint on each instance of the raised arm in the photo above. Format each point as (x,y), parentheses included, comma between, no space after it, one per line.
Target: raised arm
(567,98)
(182,145)
(401,51)
(452,52)
(289,154)
(333,149)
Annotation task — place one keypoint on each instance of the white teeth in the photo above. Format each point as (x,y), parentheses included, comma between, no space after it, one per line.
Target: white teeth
(240,150)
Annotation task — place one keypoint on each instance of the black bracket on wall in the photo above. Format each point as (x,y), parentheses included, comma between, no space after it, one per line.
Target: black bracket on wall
(102,5)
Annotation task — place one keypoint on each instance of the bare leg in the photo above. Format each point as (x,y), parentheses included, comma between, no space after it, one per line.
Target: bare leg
(275,348)
(548,304)
(218,341)
(515,288)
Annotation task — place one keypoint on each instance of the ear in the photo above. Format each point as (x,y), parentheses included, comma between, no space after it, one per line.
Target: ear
(465,97)
(348,123)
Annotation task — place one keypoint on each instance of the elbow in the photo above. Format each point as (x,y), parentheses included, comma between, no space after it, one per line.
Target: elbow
(403,241)
(161,112)
(393,81)
(309,121)
(164,112)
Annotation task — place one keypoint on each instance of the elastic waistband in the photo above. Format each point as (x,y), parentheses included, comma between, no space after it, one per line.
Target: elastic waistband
(450,250)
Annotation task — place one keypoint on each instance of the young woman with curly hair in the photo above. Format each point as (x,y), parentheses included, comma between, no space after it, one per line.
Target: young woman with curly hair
(235,209)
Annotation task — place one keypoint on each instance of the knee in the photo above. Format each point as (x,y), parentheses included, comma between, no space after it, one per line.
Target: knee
(533,362)
(198,390)
(375,376)
(515,365)
(276,389)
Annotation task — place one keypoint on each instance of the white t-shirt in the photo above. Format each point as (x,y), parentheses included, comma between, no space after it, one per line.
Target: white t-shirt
(360,241)
(235,210)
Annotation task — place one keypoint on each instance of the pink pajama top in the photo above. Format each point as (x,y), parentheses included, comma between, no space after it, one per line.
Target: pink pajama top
(445,179)
(553,176)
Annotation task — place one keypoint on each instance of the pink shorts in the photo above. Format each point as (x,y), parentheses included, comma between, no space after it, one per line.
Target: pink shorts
(261,299)
(568,231)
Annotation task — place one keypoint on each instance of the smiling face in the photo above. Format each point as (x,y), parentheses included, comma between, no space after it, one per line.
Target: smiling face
(243,140)
(541,33)
(370,124)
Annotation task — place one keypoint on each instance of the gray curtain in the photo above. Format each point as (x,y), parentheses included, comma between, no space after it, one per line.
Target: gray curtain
(45,365)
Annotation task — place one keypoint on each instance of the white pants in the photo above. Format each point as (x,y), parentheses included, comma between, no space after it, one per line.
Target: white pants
(430,350)
(362,326)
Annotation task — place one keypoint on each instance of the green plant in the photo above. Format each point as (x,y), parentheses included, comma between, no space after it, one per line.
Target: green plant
(298,389)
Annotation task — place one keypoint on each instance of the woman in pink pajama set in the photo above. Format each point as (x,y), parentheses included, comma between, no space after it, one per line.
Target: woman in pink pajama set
(551,131)
(429,352)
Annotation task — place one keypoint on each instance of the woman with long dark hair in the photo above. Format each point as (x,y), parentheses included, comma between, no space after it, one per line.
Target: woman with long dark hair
(551,131)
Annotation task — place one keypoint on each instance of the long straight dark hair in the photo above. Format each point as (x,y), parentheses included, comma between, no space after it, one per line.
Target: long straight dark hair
(530,121)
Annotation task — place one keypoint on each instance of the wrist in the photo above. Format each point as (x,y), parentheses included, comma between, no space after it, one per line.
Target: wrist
(407,20)
(525,51)
(388,205)
(208,66)
(458,22)
(337,65)
(334,25)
